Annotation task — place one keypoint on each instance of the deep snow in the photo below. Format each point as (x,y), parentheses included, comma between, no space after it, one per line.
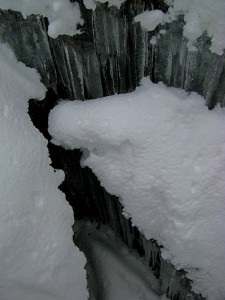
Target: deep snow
(38,259)
(163,153)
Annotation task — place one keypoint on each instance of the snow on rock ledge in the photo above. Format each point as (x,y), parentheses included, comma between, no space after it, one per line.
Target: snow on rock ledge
(38,259)
(163,153)
(63,16)
(200,16)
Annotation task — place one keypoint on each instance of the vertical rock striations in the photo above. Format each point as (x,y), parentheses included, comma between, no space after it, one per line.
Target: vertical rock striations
(113,53)
(111,57)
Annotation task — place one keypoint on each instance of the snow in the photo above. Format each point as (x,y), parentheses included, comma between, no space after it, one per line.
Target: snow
(150,19)
(163,153)
(202,16)
(91,4)
(38,259)
(63,16)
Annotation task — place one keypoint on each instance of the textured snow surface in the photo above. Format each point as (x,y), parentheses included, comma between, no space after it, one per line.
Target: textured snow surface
(163,153)
(63,16)
(38,259)
(202,16)
(91,4)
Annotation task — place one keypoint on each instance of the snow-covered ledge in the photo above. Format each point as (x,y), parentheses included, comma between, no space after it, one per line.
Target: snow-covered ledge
(152,149)
(38,259)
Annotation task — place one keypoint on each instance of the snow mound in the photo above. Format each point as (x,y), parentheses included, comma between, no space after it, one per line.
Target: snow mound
(202,16)
(63,16)
(38,259)
(163,153)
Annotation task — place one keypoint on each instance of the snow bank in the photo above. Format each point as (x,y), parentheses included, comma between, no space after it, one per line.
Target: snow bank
(63,16)
(200,16)
(163,153)
(38,259)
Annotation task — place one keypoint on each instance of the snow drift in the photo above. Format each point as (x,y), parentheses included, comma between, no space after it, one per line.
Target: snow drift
(38,259)
(163,153)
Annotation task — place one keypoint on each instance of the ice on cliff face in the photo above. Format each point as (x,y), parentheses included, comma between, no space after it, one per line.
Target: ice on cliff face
(38,259)
(202,16)
(62,15)
(163,153)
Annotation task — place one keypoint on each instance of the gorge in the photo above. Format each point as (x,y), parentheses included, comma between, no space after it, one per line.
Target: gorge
(111,56)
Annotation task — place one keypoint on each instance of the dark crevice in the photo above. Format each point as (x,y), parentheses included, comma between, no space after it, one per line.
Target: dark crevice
(39,111)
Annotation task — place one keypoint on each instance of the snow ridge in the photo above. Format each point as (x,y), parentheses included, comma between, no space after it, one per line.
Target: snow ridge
(162,152)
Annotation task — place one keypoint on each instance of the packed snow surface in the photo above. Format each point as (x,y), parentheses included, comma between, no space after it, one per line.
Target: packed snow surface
(38,259)
(202,16)
(163,153)
(63,16)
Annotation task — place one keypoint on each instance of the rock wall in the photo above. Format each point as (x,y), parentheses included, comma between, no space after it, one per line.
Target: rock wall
(110,57)
(113,53)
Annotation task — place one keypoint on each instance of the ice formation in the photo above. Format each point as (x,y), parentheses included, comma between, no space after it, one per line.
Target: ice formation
(38,259)
(63,16)
(163,153)
(203,16)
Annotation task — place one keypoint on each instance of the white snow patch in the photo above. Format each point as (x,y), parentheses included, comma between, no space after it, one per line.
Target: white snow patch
(163,153)
(90,4)
(63,16)
(153,40)
(150,19)
(38,259)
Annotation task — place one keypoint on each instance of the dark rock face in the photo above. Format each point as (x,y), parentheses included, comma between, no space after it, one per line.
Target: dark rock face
(110,57)
(113,54)
(199,70)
